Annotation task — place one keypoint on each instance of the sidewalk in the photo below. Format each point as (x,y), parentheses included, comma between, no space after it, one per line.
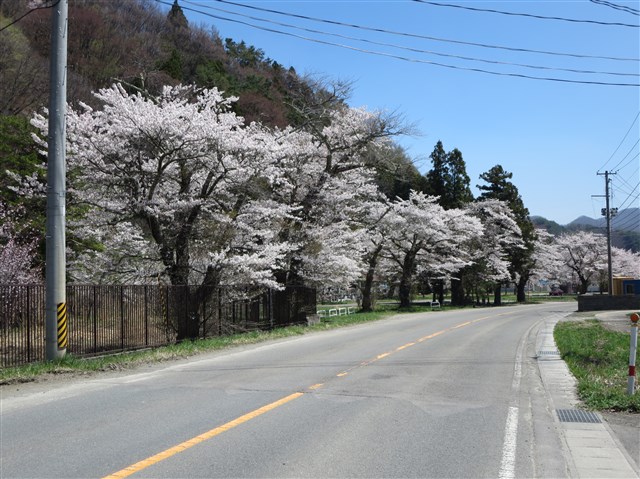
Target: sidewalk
(595,449)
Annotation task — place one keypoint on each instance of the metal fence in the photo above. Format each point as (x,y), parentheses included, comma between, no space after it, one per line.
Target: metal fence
(113,318)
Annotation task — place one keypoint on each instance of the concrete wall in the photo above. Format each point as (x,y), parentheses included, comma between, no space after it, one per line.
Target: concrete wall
(604,302)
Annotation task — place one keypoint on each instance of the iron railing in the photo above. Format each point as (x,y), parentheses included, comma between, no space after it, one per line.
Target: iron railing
(111,318)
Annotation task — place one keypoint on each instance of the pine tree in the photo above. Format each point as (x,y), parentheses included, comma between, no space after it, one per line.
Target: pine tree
(176,17)
(449,181)
(499,187)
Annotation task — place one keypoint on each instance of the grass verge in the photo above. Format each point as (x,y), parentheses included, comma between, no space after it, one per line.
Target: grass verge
(599,360)
(71,365)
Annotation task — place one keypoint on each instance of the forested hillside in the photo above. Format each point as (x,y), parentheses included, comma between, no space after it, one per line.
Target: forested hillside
(134,42)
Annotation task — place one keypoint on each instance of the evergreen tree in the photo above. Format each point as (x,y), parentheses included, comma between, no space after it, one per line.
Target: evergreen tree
(436,177)
(176,17)
(449,181)
(499,187)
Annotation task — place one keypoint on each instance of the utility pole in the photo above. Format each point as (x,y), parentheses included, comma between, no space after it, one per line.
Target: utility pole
(55,275)
(608,213)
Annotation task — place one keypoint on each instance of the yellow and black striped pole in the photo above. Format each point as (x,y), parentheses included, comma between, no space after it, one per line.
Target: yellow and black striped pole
(62,326)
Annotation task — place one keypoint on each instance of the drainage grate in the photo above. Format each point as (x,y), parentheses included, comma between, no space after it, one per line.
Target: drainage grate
(549,353)
(577,415)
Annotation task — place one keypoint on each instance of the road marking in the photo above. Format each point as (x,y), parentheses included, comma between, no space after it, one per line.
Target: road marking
(461,325)
(511,429)
(424,338)
(510,443)
(138,466)
(508,462)
(405,346)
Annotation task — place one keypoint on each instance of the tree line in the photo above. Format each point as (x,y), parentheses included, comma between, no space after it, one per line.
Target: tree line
(172,185)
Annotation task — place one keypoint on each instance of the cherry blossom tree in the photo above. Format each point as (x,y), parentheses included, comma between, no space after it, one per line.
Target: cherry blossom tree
(423,236)
(324,179)
(376,226)
(625,262)
(168,181)
(17,252)
(171,187)
(582,254)
(547,262)
(491,251)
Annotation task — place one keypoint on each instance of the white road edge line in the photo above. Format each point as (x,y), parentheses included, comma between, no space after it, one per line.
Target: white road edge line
(508,462)
(509,445)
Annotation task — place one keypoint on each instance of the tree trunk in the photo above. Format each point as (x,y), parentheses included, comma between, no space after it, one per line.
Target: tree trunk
(521,294)
(584,285)
(439,291)
(457,292)
(367,293)
(404,291)
(405,280)
(497,295)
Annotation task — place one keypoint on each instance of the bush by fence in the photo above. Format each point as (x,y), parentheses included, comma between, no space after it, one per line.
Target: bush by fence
(112,318)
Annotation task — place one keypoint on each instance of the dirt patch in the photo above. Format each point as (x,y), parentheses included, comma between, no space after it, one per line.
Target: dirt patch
(615,320)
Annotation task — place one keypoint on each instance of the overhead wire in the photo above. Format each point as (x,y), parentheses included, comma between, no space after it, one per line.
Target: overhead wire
(399,57)
(529,15)
(28,13)
(615,6)
(626,156)
(621,142)
(419,36)
(415,50)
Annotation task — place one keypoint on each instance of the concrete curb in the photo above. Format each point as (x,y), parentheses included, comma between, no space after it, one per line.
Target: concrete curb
(593,449)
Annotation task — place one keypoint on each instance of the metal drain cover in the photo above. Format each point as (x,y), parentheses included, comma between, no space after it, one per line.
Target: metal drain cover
(578,415)
(549,353)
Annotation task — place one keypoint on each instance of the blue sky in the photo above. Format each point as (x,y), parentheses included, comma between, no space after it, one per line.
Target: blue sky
(553,136)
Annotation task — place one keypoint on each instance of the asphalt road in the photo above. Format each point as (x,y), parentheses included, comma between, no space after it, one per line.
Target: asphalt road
(440,394)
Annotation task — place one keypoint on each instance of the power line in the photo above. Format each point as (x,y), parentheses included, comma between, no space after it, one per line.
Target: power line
(621,141)
(625,157)
(415,35)
(407,59)
(29,12)
(615,6)
(540,17)
(415,50)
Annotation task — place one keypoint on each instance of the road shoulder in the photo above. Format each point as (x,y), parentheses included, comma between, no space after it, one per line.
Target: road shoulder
(596,448)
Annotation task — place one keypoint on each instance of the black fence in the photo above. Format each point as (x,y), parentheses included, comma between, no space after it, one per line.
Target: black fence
(112,318)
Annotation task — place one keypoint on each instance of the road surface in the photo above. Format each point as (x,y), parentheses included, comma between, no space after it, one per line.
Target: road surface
(439,394)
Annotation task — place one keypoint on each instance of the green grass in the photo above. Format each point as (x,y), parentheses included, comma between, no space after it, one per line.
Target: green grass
(599,360)
(71,365)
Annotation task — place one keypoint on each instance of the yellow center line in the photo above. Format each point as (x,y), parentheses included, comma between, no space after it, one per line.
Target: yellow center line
(145,463)
(424,338)
(405,346)
(138,466)
(461,325)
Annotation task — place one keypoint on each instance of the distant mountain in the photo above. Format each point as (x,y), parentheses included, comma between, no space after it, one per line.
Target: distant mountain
(549,225)
(626,220)
(586,221)
(625,227)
